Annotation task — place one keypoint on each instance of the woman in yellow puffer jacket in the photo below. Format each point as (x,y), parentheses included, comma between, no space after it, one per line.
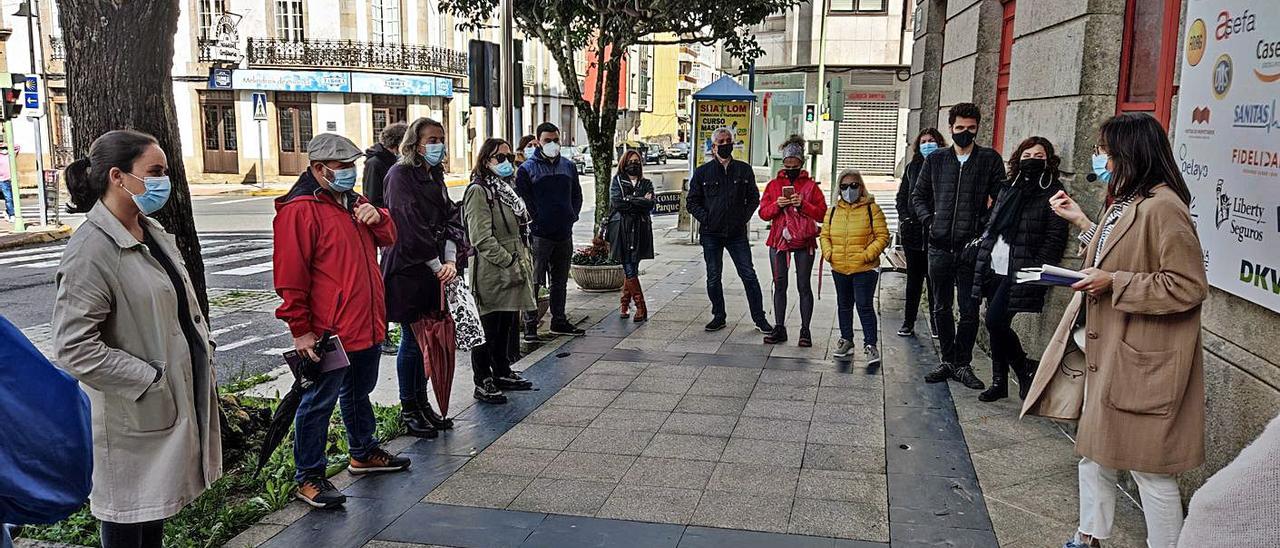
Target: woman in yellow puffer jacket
(853,237)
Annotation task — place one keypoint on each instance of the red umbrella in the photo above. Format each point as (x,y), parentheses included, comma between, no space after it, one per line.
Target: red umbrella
(436,337)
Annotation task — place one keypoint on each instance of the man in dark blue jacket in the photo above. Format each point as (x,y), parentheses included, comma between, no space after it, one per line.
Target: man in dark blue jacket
(952,198)
(550,189)
(723,197)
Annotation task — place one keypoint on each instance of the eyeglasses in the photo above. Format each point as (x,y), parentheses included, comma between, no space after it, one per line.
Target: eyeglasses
(504,157)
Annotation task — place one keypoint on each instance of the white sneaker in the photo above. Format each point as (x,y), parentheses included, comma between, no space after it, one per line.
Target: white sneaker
(872,354)
(844,349)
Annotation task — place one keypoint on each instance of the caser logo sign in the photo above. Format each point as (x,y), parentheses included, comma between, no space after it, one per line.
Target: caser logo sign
(1200,115)
(1268,53)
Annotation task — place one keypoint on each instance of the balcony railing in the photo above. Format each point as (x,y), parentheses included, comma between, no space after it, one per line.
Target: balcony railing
(352,54)
(57,49)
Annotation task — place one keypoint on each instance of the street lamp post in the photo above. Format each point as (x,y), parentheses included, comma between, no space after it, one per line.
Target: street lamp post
(29,9)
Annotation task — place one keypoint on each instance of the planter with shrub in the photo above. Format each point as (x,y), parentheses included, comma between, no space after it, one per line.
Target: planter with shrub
(594,271)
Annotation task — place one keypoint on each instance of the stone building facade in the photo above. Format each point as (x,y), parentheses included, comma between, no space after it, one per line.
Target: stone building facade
(1059,69)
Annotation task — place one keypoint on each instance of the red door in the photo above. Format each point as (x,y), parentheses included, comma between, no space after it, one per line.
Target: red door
(1002,76)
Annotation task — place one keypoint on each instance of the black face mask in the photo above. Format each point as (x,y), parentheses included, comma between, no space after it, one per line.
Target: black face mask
(725,151)
(791,173)
(632,170)
(963,139)
(1031,167)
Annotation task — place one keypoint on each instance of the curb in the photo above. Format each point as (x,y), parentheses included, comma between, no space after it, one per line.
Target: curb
(32,238)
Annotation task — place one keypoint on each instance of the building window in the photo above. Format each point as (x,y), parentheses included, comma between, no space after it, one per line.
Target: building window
(858,6)
(1002,75)
(289,20)
(218,114)
(386,21)
(209,11)
(387,110)
(1148,58)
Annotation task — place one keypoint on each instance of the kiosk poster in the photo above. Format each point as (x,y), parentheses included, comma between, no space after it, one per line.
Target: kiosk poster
(735,115)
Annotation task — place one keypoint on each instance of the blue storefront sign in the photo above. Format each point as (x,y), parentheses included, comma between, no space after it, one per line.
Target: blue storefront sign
(292,80)
(31,93)
(401,84)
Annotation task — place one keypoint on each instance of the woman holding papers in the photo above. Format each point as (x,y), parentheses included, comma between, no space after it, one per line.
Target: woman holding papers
(1022,231)
(1138,389)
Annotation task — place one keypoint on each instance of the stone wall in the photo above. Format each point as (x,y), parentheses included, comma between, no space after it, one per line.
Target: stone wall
(1063,79)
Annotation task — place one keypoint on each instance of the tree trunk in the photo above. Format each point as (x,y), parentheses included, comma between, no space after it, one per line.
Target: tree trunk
(118,77)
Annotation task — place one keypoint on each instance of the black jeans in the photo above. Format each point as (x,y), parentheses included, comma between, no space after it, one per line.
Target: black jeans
(951,280)
(149,534)
(550,260)
(781,263)
(1005,346)
(739,248)
(917,282)
(493,358)
(857,291)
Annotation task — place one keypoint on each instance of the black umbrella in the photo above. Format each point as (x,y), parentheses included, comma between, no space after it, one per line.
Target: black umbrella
(280,423)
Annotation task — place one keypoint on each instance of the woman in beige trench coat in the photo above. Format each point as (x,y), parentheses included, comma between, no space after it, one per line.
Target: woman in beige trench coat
(127,324)
(1138,387)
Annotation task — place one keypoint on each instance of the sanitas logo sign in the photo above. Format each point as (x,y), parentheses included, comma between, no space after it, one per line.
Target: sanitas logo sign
(1222,73)
(1268,55)
(1229,26)
(1256,116)
(1196,42)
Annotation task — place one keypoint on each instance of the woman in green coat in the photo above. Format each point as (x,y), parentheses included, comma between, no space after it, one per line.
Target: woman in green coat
(501,274)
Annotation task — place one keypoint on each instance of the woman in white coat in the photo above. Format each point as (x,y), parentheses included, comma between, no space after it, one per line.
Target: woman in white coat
(128,326)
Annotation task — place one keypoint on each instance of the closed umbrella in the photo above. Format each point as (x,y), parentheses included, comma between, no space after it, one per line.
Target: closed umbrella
(437,339)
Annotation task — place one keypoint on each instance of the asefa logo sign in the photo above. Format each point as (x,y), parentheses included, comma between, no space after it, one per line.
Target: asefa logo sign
(1229,26)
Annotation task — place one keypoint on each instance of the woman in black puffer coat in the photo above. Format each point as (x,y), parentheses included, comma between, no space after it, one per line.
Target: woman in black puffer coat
(1021,232)
(911,232)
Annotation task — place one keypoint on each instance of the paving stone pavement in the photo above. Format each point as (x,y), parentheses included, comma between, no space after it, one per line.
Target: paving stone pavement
(661,434)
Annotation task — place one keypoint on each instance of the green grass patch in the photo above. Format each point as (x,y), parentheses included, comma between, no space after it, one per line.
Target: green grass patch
(243,496)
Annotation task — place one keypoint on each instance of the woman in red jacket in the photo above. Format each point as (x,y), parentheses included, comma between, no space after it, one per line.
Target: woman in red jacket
(793,203)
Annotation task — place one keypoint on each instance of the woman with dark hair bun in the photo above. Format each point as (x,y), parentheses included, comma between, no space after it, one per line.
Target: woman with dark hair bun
(1021,232)
(1128,346)
(911,232)
(127,325)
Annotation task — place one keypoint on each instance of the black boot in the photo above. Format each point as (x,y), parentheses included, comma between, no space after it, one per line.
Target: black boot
(414,422)
(424,407)
(938,374)
(779,335)
(1025,369)
(999,388)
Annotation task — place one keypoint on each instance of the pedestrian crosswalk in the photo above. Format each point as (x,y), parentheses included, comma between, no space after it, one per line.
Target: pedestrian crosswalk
(225,254)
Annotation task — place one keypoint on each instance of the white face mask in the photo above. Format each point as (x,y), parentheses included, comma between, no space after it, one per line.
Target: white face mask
(551,150)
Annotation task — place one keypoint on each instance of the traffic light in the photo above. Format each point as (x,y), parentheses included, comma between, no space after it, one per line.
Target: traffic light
(12,95)
(835,99)
(810,113)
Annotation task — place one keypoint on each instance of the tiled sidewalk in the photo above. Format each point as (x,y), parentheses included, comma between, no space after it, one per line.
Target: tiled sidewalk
(665,435)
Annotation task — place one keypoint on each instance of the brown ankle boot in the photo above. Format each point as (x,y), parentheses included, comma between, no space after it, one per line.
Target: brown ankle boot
(642,311)
(625,299)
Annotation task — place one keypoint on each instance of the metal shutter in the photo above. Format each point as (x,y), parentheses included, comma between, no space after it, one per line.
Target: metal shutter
(868,139)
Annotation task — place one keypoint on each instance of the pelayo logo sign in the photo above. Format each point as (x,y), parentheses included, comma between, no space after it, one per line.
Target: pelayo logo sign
(1196,39)
(1191,169)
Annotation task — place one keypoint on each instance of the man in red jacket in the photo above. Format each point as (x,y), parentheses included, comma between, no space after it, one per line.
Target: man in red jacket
(326,270)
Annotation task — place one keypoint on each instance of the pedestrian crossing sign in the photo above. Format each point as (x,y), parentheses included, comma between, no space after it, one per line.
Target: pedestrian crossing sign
(259,105)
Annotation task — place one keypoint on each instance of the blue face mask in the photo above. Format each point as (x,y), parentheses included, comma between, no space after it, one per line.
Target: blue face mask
(1100,167)
(505,169)
(529,151)
(155,195)
(433,153)
(343,179)
(928,148)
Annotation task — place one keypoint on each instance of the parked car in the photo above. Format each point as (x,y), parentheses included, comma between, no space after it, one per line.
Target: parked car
(583,160)
(679,151)
(654,154)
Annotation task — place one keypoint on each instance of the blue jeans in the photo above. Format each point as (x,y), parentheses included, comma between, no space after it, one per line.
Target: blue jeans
(739,248)
(857,291)
(6,188)
(409,366)
(350,386)
(631,270)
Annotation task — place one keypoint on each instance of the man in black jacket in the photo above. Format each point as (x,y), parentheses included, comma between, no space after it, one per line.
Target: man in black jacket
(723,197)
(378,159)
(952,197)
